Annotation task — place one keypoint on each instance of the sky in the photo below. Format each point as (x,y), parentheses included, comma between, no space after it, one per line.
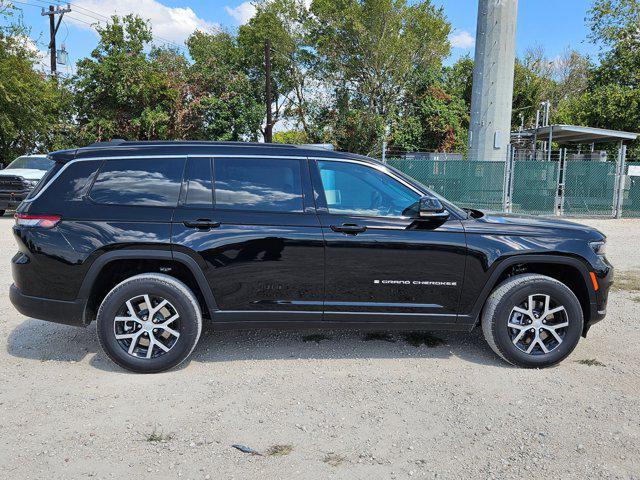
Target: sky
(552,24)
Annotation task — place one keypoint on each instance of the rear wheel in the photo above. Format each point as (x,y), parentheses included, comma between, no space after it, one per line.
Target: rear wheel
(149,323)
(532,321)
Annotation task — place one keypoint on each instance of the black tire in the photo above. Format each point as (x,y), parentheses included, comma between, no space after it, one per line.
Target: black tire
(179,298)
(500,307)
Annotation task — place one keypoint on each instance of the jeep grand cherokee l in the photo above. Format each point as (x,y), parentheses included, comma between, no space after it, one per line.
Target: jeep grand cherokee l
(150,239)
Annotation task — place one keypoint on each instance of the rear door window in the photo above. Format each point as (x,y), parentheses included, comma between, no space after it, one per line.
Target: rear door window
(258,184)
(139,182)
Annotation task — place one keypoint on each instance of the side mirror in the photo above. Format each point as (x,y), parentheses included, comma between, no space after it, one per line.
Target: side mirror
(431,209)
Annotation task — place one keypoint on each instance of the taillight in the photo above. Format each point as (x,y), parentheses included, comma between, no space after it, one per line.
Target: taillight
(42,221)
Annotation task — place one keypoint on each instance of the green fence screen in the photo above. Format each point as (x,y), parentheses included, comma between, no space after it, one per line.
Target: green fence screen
(535,187)
(465,183)
(589,188)
(631,194)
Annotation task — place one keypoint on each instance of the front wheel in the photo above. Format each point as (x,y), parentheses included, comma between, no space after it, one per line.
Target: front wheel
(149,323)
(532,321)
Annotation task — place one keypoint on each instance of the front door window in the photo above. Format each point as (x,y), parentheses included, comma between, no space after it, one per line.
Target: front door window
(354,189)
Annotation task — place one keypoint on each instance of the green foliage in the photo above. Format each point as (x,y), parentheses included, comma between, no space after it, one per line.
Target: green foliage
(224,104)
(458,79)
(292,137)
(34,109)
(432,119)
(369,50)
(353,73)
(612,97)
(120,91)
(285,24)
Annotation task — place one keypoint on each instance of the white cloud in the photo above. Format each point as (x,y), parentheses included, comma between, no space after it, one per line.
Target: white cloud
(462,39)
(246,10)
(242,13)
(171,23)
(42,55)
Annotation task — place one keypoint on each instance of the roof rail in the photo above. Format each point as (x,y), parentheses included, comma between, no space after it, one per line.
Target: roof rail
(114,141)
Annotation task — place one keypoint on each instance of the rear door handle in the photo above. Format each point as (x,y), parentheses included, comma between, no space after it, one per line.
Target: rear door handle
(201,224)
(349,228)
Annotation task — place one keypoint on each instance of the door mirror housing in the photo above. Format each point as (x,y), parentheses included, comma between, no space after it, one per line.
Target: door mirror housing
(432,209)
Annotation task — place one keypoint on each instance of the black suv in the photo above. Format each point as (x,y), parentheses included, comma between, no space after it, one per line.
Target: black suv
(149,238)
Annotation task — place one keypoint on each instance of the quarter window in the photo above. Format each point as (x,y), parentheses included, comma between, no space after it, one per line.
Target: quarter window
(354,189)
(199,183)
(260,184)
(139,182)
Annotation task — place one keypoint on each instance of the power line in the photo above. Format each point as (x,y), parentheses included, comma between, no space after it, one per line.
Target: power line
(24,3)
(98,17)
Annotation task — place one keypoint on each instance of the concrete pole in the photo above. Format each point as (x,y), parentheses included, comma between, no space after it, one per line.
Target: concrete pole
(492,94)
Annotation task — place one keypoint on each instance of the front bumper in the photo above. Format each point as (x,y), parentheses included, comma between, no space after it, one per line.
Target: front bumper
(58,311)
(599,306)
(10,201)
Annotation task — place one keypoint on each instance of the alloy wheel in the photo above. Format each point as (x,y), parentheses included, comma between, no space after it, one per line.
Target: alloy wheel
(147,326)
(538,325)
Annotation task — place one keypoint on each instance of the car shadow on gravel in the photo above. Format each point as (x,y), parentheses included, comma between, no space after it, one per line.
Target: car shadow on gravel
(44,341)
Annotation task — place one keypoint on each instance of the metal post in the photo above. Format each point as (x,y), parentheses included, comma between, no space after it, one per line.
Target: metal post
(535,135)
(550,142)
(512,177)
(562,169)
(507,183)
(620,177)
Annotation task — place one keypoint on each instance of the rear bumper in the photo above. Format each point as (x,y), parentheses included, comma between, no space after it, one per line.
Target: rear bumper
(68,313)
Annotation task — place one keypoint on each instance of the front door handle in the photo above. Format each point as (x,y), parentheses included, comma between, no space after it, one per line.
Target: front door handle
(349,228)
(201,224)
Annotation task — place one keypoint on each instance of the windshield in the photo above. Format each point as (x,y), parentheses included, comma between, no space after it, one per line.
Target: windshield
(448,204)
(32,163)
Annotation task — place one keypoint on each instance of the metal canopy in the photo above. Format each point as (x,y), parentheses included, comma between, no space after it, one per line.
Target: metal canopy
(563,134)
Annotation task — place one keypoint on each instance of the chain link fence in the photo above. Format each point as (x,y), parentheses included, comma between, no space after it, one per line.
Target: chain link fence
(467,184)
(557,187)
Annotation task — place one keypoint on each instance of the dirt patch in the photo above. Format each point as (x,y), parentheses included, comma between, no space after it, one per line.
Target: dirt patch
(279,450)
(626,280)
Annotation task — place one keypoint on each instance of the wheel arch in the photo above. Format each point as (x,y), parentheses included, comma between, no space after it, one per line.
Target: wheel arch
(112,267)
(569,270)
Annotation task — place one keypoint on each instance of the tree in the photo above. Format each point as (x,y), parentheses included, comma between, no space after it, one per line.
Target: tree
(368,50)
(34,109)
(432,118)
(224,102)
(612,99)
(284,23)
(120,92)
(458,79)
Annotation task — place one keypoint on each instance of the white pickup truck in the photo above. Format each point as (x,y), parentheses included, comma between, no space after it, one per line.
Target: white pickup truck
(19,178)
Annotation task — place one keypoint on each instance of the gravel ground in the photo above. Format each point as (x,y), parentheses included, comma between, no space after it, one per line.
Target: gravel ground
(340,407)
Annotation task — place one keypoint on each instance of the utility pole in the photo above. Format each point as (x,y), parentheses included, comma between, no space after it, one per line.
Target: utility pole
(53,30)
(268,129)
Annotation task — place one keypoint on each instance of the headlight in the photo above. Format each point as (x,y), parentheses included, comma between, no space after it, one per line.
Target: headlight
(600,248)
